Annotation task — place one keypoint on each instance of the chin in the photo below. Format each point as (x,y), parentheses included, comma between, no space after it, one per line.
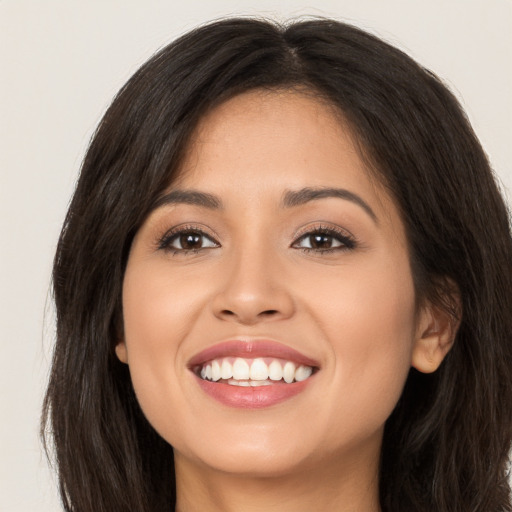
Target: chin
(248,462)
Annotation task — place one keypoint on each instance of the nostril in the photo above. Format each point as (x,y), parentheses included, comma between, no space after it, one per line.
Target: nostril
(248,316)
(268,312)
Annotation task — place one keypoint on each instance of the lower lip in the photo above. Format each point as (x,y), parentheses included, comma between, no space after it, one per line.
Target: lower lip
(249,397)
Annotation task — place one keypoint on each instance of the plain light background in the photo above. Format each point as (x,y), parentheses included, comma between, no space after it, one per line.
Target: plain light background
(62,62)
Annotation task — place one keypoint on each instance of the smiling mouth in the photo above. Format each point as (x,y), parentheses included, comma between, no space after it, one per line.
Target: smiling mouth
(260,371)
(252,373)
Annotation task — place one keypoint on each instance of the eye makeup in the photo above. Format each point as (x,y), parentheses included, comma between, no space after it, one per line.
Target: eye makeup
(322,239)
(185,239)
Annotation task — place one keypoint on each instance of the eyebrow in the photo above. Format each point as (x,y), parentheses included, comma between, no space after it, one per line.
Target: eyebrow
(193,197)
(290,198)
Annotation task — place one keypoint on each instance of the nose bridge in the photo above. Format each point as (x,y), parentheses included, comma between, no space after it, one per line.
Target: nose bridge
(253,287)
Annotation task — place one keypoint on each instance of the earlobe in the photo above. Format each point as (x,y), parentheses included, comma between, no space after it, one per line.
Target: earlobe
(121,352)
(435,335)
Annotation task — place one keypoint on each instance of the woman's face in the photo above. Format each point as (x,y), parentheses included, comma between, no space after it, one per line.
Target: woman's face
(274,251)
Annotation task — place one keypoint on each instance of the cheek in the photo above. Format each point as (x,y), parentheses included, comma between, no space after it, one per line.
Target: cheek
(159,307)
(369,318)
(158,314)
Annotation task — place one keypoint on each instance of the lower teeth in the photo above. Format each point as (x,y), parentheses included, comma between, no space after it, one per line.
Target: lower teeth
(247,383)
(244,383)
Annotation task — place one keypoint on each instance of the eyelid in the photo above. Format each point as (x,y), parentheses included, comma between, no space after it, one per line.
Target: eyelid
(163,242)
(346,238)
(324,228)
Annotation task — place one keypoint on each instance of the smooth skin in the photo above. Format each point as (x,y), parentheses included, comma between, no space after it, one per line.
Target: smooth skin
(257,271)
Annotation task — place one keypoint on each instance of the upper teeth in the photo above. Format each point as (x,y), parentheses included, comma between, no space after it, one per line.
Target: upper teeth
(259,369)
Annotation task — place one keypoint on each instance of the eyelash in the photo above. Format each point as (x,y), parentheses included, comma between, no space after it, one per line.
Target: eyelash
(165,242)
(348,242)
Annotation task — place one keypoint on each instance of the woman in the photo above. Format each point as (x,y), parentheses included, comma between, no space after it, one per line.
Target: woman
(284,282)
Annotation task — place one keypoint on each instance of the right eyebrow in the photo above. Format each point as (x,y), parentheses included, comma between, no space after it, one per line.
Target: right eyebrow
(192,197)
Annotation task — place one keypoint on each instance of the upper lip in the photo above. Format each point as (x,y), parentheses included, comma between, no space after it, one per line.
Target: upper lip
(251,349)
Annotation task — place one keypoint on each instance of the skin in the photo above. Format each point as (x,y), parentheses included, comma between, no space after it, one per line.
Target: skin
(353,310)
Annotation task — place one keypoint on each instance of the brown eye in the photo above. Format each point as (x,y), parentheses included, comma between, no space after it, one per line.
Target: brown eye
(324,240)
(321,241)
(188,241)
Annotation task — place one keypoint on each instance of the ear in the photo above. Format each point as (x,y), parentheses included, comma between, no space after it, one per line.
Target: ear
(121,352)
(120,349)
(436,330)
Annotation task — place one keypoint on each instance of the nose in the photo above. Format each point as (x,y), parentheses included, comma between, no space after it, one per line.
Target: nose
(253,289)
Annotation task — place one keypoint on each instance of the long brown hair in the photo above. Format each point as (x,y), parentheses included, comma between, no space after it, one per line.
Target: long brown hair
(446,444)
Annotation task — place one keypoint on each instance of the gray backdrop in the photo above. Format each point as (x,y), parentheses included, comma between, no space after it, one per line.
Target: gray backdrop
(63,60)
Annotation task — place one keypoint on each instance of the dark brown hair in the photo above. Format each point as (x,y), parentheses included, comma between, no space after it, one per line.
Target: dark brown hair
(446,444)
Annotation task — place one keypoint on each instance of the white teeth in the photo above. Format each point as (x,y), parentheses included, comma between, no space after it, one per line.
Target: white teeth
(275,371)
(254,372)
(256,383)
(240,369)
(226,370)
(289,372)
(216,374)
(302,373)
(259,370)
(247,383)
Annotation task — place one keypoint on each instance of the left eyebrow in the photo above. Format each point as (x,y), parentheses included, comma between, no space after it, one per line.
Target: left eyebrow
(193,197)
(302,196)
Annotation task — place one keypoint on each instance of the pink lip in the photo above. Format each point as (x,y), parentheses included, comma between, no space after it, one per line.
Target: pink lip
(251,397)
(251,349)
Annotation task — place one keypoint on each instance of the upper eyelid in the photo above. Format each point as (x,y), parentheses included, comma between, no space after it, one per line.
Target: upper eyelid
(186,227)
(163,240)
(347,241)
(322,227)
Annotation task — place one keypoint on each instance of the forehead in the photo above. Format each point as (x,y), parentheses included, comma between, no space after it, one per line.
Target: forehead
(259,143)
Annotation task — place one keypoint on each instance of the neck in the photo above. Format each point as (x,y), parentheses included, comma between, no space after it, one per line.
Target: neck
(340,486)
